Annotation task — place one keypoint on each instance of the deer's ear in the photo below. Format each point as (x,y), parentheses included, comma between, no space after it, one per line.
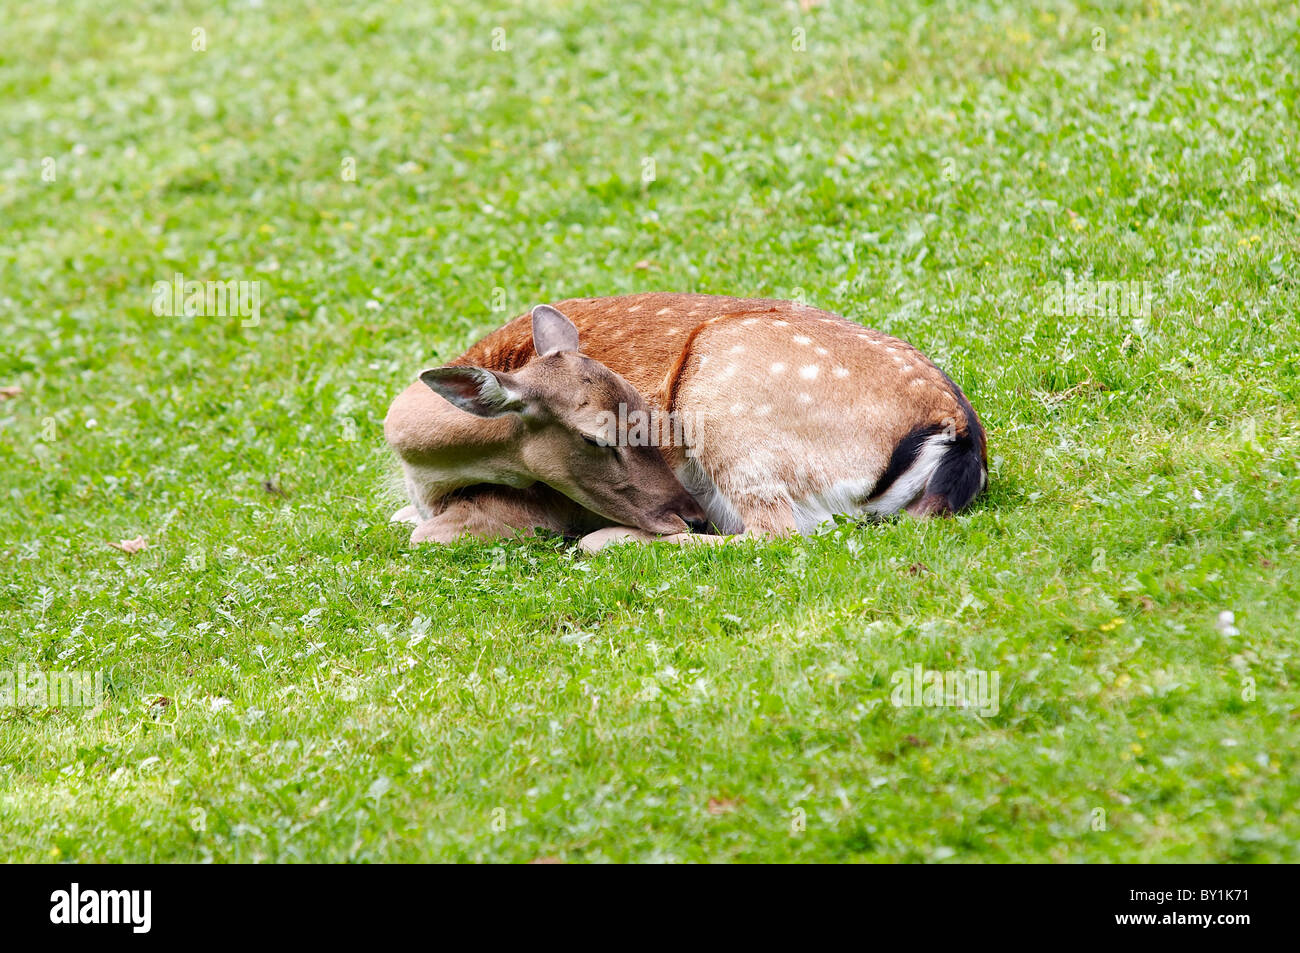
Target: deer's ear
(477,390)
(552,331)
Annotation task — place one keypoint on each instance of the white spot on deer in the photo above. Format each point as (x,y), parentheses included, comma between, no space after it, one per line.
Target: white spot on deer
(917,382)
(805,398)
(663,310)
(762,410)
(840,371)
(865,337)
(800,339)
(809,372)
(778,368)
(737,409)
(635,307)
(780,324)
(738,349)
(822,351)
(750,321)
(907,368)
(729,372)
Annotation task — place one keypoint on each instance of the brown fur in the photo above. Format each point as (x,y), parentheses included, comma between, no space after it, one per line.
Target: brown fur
(649,339)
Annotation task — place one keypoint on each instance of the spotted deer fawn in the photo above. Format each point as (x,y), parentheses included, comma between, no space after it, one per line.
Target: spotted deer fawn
(645,416)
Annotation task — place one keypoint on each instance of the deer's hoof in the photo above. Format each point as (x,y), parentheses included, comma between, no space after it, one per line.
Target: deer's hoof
(407,514)
(617,535)
(612,536)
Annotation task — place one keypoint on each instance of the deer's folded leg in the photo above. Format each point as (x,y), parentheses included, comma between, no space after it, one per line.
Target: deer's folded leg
(449,527)
(484,513)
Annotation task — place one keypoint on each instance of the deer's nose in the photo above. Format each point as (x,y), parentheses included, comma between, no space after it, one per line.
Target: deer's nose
(698,525)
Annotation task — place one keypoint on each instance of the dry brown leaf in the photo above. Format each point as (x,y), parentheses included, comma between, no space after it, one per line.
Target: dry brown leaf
(723,805)
(130,546)
(9,391)
(643,265)
(808,5)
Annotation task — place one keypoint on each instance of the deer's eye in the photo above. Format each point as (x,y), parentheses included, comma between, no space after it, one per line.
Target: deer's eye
(597,442)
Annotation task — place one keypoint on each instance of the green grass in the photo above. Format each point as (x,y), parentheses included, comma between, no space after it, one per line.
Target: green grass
(926,169)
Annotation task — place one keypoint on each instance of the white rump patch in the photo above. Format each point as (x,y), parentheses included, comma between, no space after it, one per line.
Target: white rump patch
(911,482)
(846,497)
(841,498)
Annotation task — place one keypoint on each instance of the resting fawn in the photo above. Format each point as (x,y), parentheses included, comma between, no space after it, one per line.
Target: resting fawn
(643,416)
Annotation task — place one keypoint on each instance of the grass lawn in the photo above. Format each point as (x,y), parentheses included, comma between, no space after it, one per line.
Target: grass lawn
(285,679)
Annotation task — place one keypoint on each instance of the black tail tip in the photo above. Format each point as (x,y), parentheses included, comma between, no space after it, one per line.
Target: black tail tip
(956,481)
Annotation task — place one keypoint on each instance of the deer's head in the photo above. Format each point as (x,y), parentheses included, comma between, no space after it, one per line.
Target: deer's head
(567,407)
